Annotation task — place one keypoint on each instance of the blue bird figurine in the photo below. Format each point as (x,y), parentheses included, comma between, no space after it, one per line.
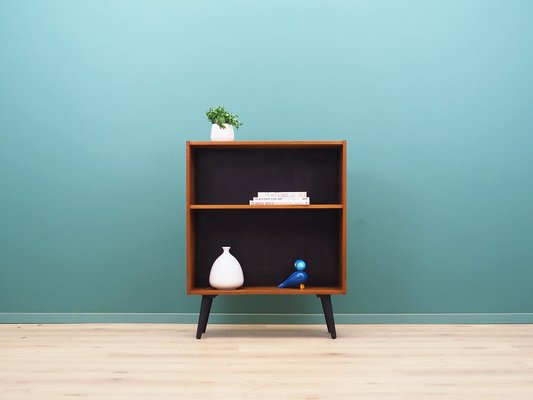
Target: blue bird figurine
(298,278)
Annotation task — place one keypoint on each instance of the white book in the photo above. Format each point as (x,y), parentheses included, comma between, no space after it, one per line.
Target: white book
(279,202)
(281,194)
(280,198)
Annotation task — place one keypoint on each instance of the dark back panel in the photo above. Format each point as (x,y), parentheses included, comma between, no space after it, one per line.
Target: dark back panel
(234,176)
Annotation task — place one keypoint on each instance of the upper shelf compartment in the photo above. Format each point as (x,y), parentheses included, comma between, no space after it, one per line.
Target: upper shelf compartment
(231,173)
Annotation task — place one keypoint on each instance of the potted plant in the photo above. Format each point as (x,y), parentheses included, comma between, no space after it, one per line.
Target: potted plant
(223,123)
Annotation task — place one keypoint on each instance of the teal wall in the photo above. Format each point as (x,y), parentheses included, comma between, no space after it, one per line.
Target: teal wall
(97,99)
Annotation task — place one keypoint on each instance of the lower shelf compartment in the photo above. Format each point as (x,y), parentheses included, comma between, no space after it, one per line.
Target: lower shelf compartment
(267,244)
(209,291)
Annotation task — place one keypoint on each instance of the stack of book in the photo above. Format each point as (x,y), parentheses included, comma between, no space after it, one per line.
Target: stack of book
(287,198)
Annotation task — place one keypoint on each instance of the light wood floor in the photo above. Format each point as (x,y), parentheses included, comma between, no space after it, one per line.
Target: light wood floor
(147,361)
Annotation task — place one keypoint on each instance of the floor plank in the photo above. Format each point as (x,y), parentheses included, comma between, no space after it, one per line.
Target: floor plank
(164,361)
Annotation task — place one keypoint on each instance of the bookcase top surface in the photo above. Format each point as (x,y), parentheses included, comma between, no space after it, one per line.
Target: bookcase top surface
(272,143)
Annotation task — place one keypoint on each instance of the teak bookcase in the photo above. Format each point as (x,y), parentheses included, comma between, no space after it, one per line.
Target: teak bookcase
(266,239)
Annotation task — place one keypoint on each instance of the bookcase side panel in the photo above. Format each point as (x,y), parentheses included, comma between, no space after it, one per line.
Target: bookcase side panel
(189,199)
(343,226)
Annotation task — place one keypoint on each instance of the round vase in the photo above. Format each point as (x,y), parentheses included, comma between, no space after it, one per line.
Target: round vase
(226,272)
(219,135)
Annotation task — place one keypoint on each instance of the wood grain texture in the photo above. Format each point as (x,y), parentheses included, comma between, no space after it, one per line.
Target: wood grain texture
(343,197)
(271,144)
(189,193)
(164,361)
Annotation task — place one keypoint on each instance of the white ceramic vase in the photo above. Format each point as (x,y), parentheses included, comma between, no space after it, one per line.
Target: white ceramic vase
(218,134)
(226,272)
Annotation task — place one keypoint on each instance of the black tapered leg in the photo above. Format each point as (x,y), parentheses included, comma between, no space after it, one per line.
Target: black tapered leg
(205,309)
(209,304)
(328,314)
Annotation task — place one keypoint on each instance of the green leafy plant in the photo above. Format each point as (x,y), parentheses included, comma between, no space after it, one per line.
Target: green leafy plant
(218,115)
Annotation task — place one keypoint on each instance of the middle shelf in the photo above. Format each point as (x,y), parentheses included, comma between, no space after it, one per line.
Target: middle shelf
(274,206)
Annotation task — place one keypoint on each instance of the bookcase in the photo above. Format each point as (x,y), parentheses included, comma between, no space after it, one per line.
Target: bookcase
(266,239)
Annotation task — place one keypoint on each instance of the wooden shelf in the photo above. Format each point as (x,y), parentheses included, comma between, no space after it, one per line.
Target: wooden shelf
(208,291)
(267,239)
(270,206)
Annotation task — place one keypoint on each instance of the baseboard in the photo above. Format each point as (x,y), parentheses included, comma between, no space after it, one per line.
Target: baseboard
(235,318)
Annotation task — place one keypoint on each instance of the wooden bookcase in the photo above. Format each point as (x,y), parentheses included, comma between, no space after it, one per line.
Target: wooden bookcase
(266,239)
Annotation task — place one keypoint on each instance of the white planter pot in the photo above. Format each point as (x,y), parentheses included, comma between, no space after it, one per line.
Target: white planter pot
(219,134)
(226,272)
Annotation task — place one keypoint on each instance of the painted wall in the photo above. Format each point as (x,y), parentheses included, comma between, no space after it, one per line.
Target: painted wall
(98,98)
